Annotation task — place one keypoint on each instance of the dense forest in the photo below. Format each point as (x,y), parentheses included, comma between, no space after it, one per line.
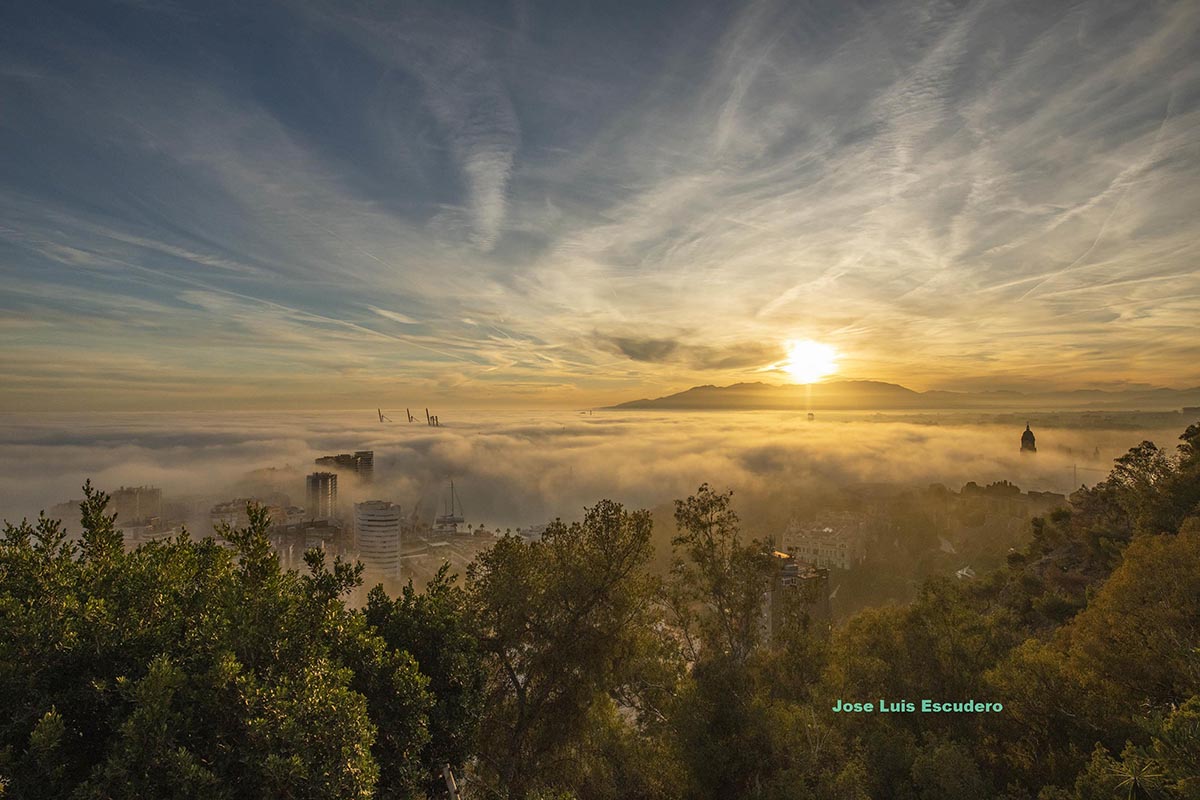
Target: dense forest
(568,668)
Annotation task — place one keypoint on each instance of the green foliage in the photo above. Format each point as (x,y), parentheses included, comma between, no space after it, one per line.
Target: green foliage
(563,669)
(1175,746)
(947,771)
(1045,731)
(437,628)
(1089,637)
(717,581)
(1169,767)
(564,624)
(1139,638)
(186,669)
(741,719)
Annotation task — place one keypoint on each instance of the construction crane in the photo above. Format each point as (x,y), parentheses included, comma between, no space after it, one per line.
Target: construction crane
(1075,470)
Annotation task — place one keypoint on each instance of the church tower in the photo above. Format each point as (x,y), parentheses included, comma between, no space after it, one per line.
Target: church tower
(1028,442)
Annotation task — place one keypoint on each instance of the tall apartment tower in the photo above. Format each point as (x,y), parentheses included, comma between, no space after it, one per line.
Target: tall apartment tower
(321,491)
(136,503)
(377,530)
(364,465)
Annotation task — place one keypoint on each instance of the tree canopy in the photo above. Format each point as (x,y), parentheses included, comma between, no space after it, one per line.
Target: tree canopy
(568,668)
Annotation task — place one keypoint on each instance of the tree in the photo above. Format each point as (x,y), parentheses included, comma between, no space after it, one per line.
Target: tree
(945,770)
(742,720)
(188,669)
(1139,639)
(717,582)
(563,624)
(438,629)
(1156,489)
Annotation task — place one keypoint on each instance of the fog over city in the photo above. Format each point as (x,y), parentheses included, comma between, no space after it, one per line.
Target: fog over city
(513,469)
(767,364)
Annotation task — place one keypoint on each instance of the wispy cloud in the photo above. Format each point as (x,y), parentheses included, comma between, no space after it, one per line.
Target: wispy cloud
(582,208)
(403,319)
(456,60)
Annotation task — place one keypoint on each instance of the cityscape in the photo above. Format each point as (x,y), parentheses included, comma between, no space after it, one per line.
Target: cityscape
(656,400)
(339,511)
(395,544)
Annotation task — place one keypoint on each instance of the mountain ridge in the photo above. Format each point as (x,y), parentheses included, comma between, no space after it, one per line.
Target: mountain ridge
(868,395)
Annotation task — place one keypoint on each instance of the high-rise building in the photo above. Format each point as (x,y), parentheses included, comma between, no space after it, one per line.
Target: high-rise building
(343,461)
(377,531)
(293,540)
(364,465)
(361,464)
(321,491)
(136,503)
(236,513)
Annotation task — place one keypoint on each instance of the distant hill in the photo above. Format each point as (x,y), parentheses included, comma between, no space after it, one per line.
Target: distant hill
(880,396)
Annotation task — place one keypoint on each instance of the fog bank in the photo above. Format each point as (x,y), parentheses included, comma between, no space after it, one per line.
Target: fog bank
(524,468)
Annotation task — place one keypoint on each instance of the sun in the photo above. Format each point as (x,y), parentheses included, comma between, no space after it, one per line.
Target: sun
(809,361)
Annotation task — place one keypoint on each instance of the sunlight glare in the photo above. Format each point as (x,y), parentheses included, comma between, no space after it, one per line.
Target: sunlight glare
(809,361)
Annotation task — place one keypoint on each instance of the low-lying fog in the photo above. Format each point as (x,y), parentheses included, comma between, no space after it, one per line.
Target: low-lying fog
(516,469)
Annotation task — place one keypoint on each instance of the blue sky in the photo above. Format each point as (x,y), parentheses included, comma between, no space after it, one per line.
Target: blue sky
(370,203)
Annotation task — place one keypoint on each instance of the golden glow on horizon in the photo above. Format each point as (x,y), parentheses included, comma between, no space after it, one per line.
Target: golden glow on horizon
(809,361)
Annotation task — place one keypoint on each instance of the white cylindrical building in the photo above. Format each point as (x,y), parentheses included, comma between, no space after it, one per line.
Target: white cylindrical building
(377,529)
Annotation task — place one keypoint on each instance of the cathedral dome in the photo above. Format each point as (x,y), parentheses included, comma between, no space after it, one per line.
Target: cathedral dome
(1028,441)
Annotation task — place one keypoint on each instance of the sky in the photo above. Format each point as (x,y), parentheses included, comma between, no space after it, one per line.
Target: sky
(298,204)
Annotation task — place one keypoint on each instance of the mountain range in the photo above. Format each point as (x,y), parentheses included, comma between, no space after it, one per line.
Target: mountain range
(880,396)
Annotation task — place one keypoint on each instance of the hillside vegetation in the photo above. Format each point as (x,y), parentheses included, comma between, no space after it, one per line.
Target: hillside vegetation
(568,668)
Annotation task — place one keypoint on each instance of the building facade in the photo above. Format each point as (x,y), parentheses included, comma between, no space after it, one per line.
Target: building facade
(364,465)
(321,495)
(361,464)
(235,513)
(834,541)
(377,526)
(293,540)
(135,504)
